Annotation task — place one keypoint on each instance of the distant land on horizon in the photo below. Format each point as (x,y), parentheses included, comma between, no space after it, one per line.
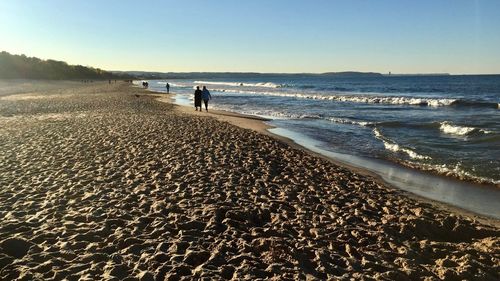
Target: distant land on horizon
(342,74)
(189,75)
(21,66)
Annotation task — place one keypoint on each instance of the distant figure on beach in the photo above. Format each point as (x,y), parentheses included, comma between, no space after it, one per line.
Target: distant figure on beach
(145,85)
(205,95)
(168,88)
(197,98)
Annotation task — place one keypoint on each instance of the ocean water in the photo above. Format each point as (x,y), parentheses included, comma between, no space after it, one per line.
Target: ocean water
(449,125)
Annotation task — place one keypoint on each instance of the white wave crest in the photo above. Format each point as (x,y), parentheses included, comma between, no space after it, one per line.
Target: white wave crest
(277,114)
(449,128)
(172,84)
(350,122)
(453,171)
(349,98)
(392,100)
(394,147)
(241,84)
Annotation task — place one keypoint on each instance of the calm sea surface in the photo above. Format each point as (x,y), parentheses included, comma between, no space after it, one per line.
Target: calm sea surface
(446,124)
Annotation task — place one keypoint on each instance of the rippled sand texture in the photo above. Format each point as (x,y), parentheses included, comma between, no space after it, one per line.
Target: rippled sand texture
(103,182)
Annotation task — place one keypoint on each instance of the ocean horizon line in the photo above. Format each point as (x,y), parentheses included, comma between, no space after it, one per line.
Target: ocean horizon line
(340,73)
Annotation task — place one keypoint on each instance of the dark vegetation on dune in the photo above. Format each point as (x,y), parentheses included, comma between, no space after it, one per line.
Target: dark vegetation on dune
(23,67)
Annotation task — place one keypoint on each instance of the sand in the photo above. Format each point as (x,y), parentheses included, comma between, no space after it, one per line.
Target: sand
(104,182)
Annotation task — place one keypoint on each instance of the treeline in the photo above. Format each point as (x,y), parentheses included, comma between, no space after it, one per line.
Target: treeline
(23,67)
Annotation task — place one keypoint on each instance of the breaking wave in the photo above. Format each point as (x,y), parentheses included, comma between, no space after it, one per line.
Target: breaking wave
(449,128)
(241,84)
(350,122)
(455,171)
(271,114)
(351,98)
(394,147)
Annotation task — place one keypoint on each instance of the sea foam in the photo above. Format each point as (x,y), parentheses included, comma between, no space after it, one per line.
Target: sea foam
(350,122)
(449,128)
(394,147)
(241,84)
(455,171)
(396,100)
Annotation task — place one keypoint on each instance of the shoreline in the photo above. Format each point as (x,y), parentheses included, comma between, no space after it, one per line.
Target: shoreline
(107,182)
(258,124)
(419,153)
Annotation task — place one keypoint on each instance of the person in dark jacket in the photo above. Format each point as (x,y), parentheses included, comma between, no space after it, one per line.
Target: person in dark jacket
(205,95)
(197,98)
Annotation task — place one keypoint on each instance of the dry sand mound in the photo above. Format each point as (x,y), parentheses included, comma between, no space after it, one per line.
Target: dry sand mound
(122,187)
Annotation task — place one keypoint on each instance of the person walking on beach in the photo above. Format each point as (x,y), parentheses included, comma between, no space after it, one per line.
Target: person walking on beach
(197,98)
(168,88)
(205,95)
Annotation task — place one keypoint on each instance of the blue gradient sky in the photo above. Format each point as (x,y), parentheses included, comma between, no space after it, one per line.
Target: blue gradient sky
(455,36)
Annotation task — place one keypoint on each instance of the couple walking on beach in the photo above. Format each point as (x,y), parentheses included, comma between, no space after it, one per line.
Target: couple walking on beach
(201,95)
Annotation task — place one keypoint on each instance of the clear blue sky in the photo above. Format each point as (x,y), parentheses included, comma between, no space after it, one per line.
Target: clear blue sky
(456,36)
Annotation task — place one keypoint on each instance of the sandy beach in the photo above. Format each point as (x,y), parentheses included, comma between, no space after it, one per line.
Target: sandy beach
(106,182)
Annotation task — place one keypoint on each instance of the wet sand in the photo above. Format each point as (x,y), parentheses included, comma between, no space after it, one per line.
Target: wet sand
(105,182)
(453,195)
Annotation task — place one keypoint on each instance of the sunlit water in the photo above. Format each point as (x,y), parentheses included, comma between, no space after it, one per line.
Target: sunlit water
(447,124)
